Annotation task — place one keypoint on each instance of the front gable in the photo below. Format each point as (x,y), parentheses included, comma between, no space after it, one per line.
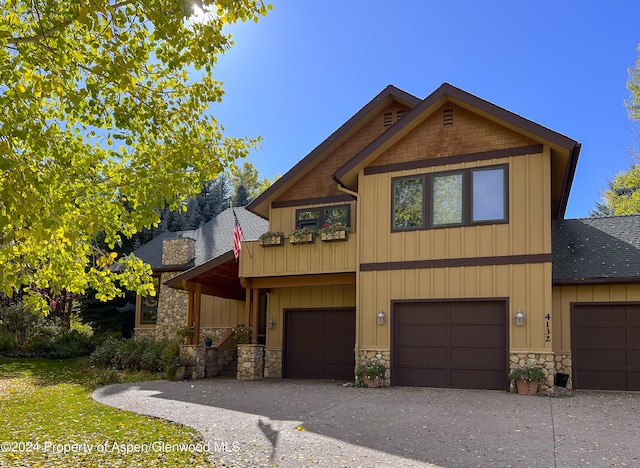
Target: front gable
(451,130)
(317,184)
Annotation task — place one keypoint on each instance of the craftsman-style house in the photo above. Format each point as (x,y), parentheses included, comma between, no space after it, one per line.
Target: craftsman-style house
(456,265)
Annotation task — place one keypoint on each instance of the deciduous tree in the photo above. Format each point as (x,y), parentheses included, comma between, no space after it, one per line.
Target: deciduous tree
(105,118)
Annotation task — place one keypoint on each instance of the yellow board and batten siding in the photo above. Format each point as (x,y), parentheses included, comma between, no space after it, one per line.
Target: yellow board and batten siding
(565,296)
(216,312)
(301,259)
(527,286)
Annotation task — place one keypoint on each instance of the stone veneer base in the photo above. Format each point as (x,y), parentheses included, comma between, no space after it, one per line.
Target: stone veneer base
(551,363)
(273,363)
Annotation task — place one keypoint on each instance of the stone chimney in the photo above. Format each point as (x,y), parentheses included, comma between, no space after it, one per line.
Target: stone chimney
(178,251)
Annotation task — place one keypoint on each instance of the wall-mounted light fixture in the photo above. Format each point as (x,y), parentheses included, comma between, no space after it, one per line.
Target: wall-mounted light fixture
(519,318)
(272,322)
(381,317)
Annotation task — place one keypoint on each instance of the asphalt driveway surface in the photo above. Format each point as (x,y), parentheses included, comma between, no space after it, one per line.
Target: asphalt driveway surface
(290,423)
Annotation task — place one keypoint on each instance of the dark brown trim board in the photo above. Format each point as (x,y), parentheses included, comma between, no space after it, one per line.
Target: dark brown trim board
(458,262)
(312,201)
(455,159)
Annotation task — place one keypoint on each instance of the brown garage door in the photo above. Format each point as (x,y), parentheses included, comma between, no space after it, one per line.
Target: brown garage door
(450,344)
(605,346)
(319,344)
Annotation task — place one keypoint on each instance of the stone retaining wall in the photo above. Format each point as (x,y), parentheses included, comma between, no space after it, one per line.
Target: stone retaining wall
(216,359)
(273,363)
(377,355)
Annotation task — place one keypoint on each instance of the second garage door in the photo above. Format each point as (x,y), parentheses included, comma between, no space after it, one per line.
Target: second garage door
(460,344)
(605,346)
(319,344)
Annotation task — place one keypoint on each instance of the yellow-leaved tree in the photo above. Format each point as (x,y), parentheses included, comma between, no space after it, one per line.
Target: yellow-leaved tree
(105,117)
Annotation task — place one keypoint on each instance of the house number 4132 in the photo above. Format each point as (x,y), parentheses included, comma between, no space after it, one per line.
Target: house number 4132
(547,328)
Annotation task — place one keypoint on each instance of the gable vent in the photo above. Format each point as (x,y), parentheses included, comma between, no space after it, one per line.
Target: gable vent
(400,114)
(447,117)
(387,119)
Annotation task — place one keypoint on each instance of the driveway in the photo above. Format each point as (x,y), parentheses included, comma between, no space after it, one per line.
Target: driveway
(289,423)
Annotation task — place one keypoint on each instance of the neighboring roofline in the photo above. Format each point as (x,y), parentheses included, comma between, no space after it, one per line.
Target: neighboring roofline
(176,281)
(577,282)
(457,94)
(389,93)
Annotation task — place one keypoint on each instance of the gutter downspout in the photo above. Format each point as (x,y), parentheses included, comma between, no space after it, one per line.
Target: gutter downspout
(356,195)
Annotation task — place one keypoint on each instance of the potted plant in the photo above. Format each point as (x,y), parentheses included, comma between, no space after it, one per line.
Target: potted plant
(527,379)
(302,236)
(334,231)
(242,334)
(370,374)
(208,341)
(271,238)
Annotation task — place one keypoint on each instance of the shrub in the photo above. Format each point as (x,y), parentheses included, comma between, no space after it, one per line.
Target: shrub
(135,354)
(37,335)
(7,342)
(527,374)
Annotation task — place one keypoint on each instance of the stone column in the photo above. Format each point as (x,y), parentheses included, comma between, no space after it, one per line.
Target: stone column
(195,356)
(250,361)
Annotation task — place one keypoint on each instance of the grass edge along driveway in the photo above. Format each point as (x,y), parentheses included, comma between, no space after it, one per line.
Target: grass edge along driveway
(49,419)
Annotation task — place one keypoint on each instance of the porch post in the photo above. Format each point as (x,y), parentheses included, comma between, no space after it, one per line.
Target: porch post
(254,313)
(196,313)
(247,307)
(190,315)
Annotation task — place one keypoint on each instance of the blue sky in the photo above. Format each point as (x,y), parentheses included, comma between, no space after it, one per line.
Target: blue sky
(307,67)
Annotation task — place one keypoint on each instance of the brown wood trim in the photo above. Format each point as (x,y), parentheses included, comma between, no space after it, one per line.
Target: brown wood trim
(458,262)
(303,280)
(455,159)
(578,282)
(312,201)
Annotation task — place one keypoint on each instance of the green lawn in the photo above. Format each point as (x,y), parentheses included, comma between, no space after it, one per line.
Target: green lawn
(46,407)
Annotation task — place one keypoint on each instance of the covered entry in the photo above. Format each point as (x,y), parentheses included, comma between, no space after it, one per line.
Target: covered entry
(319,343)
(605,346)
(457,344)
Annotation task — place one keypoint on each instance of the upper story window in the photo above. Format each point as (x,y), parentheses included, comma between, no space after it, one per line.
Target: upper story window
(315,218)
(149,304)
(447,199)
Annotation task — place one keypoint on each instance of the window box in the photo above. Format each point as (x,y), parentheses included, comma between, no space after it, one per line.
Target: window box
(335,231)
(302,236)
(335,236)
(271,239)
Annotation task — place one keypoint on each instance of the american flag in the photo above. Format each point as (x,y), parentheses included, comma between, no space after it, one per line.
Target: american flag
(237,238)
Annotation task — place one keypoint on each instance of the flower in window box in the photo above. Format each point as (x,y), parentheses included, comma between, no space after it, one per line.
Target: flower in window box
(302,236)
(271,238)
(334,231)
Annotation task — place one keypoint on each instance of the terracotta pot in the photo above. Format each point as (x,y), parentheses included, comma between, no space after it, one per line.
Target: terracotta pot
(527,388)
(371,383)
